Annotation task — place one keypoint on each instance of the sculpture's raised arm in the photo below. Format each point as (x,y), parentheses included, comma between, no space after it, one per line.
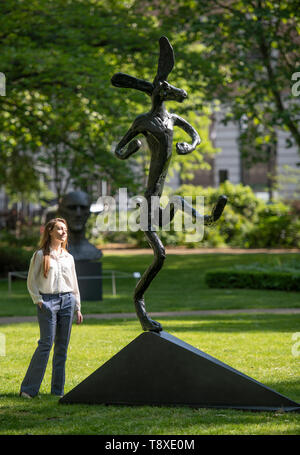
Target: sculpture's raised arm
(184,148)
(121,151)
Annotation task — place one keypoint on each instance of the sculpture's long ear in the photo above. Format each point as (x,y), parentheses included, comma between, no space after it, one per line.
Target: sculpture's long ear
(166,59)
(126,81)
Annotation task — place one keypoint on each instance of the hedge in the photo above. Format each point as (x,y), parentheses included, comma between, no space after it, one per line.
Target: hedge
(253,279)
(13,259)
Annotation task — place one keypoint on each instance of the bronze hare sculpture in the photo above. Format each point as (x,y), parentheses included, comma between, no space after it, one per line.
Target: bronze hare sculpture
(157,127)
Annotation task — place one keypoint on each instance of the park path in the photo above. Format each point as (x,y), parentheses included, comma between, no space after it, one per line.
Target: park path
(123,249)
(119,248)
(22,319)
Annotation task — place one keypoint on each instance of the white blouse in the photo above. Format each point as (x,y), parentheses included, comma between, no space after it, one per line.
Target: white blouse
(61,276)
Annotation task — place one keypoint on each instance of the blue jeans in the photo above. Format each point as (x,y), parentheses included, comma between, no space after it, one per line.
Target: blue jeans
(55,319)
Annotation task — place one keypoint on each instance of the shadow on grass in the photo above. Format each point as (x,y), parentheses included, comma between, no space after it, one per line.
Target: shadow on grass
(217,323)
(289,387)
(180,272)
(46,416)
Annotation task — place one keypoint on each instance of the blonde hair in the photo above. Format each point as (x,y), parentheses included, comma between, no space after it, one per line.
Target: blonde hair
(45,242)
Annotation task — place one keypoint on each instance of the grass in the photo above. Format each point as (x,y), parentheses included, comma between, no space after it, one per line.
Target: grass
(259,346)
(166,291)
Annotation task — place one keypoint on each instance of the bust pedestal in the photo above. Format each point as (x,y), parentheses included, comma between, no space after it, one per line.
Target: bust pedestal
(89,275)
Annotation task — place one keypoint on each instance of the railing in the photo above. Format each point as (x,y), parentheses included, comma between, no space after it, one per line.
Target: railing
(106,274)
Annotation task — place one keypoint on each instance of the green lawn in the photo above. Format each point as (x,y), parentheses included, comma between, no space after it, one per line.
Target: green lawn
(179,286)
(259,346)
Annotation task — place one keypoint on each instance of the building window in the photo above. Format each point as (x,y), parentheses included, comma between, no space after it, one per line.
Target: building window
(223,175)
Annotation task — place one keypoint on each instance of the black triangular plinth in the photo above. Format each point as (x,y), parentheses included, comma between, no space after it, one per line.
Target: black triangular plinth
(159,369)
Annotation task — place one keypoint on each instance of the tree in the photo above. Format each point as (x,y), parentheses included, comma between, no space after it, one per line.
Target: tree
(243,54)
(60,113)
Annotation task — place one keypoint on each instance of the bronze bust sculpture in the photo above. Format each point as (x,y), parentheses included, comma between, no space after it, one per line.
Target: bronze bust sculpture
(74,207)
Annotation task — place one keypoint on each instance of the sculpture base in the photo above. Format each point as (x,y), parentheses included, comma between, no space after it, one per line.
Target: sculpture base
(89,274)
(160,369)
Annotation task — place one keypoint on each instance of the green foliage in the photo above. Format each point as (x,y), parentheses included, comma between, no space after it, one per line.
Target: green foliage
(180,271)
(289,176)
(245,56)
(61,116)
(253,279)
(247,221)
(257,345)
(277,226)
(187,165)
(26,239)
(13,259)
(60,111)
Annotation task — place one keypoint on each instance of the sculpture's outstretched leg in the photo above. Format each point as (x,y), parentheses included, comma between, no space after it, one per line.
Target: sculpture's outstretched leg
(166,215)
(216,211)
(143,284)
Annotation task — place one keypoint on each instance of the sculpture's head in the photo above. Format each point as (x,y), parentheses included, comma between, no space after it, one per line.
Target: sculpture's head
(75,208)
(160,90)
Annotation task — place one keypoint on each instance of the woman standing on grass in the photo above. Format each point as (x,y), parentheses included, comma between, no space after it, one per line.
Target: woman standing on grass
(52,284)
